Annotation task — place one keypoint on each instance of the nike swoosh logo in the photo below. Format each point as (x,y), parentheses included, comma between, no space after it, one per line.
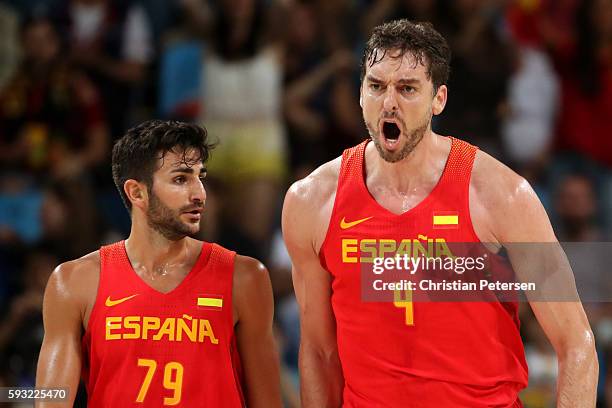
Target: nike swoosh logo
(345,225)
(111,303)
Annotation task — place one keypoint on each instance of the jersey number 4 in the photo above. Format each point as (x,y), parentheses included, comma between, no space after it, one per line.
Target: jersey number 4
(173,380)
(404,302)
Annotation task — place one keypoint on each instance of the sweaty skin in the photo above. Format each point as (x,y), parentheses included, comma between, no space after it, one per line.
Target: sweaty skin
(498,198)
(72,287)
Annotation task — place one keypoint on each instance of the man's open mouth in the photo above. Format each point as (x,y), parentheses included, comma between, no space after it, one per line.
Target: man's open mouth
(391,131)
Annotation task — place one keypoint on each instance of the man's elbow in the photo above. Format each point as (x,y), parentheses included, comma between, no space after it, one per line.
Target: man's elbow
(580,349)
(321,354)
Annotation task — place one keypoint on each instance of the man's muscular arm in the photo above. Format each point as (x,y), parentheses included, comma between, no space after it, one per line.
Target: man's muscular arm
(321,376)
(254,307)
(59,363)
(516,217)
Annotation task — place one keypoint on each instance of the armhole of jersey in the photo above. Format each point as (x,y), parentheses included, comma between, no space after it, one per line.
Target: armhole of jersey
(237,370)
(94,309)
(231,259)
(236,362)
(346,155)
(466,197)
(223,261)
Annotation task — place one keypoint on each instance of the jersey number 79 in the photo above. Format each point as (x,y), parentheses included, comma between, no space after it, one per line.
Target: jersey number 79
(173,380)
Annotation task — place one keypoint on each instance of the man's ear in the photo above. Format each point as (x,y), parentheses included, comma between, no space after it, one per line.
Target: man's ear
(136,192)
(439,100)
(361,95)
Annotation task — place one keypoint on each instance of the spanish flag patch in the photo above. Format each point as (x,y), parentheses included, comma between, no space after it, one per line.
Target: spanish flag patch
(211,302)
(447,219)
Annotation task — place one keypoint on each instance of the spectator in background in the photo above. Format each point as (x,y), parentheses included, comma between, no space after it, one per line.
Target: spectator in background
(415,10)
(242,107)
(9,42)
(321,107)
(52,120)
(338,22)
(585,67)
(578,35)
(533,94)
(112,41)
(20,207)
(21,330)
(576,207)
(57,214)
(530,114)
(68,214)
(528,121)
(52,131)
(482,63)
(304,53)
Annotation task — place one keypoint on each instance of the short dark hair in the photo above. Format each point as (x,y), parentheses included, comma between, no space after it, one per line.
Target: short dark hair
(135,155)
(420,39)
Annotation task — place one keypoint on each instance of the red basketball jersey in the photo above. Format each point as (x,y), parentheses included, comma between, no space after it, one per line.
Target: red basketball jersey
(444,354)
(143,348)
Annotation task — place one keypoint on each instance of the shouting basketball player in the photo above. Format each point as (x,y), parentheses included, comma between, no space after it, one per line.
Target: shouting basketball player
(161,319)
(403,183)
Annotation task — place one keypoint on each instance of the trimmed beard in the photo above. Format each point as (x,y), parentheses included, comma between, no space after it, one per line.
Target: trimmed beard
(165,220)
(411,140)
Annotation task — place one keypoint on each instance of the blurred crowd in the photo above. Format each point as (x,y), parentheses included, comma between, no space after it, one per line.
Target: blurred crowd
(276,83)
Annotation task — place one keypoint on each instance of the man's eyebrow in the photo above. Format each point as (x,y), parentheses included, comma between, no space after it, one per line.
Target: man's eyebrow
(186,169)
(401,81)
(409,81)
(372,78)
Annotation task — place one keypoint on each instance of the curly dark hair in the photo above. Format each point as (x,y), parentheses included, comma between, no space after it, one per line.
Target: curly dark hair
(420,39)
(136,154)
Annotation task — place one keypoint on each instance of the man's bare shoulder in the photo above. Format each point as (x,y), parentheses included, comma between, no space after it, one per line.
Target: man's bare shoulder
(77,280)
(251,286)
(500,199)
(318,187)
(308,206)
(494,182)
(249,273)
(85,267)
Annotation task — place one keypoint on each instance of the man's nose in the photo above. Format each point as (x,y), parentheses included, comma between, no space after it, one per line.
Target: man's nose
(198,194)
(390,101)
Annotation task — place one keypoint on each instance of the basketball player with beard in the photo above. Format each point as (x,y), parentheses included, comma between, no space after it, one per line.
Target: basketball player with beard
(403,183)
(161,319)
